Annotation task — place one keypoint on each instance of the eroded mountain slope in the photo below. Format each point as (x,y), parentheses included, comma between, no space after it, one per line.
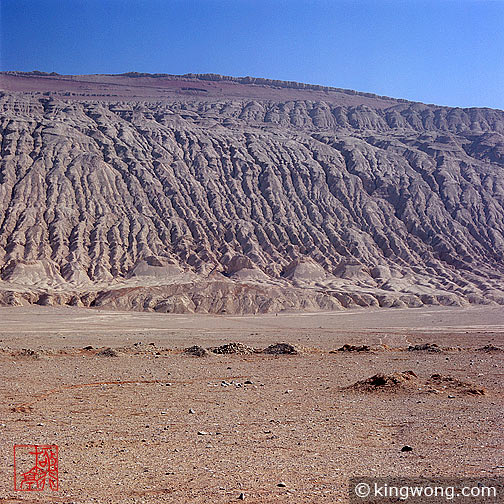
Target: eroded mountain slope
(248,204)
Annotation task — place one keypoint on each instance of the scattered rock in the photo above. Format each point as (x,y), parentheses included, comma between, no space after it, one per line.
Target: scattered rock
(89,347)
(439,383)
(281,484)
(203,433)
(28,353)
(191,411)
(490,348)
(24,408)
(281,348)
(406,448)
(424,347)
(408,381)
(233,348)
(352,348)
(197,351)
(386,383)
(107,352)
(241,496)
(248,382)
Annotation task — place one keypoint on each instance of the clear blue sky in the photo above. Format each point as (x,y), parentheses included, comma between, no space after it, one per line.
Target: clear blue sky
(449,52)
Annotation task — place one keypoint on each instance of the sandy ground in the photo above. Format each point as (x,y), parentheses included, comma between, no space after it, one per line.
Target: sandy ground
(126,434)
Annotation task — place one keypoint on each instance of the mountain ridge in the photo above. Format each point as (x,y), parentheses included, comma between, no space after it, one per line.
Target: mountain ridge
(162,199)
(211,77)
(247,80)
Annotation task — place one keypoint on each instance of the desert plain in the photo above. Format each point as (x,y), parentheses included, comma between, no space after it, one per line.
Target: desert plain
(139,420)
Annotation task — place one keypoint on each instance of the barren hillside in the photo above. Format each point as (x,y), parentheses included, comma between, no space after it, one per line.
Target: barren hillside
(210,194)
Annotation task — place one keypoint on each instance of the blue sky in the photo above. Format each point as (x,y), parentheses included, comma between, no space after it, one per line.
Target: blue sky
(449,52)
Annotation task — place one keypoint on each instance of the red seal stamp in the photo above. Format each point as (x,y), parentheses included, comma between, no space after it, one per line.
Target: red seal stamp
(35,466)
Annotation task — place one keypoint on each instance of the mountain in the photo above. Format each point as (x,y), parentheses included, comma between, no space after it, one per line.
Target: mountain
(213,194)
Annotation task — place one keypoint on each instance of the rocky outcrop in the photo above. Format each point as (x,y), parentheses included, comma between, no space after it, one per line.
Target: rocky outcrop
(246,205)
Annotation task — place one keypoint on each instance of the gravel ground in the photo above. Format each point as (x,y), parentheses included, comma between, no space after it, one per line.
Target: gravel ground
(152,424)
